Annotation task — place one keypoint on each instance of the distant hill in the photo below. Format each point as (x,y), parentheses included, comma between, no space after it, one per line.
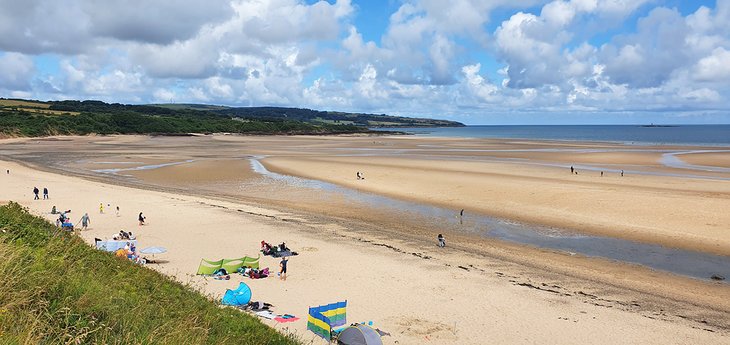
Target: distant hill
(316,116)
(20,117)
(28,118)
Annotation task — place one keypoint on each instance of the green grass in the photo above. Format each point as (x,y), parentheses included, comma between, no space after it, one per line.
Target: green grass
(55,289)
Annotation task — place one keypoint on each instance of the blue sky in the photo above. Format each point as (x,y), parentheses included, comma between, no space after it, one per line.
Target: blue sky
(479,62)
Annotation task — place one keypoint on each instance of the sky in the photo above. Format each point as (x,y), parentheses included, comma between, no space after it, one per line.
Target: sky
(474,61)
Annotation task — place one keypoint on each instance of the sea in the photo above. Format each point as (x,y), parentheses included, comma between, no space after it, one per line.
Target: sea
(700,135)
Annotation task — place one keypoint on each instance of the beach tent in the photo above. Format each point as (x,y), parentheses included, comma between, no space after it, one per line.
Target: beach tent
(321,319)
(239,296)
(359,335)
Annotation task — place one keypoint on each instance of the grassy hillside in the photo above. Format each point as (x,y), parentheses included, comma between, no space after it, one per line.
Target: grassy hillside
(333,117)
(31,107)
(55,289)
(94,117)
(316,116)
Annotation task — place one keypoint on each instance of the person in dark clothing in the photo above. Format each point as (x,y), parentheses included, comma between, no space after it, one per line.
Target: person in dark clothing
(36,191)
(572,170)
(282,265)
(141,219)
(45,193)
(442,240)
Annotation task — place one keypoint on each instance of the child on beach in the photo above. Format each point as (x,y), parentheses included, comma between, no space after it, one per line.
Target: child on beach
(141,219)
(101,207)
(282,265)
(442,240)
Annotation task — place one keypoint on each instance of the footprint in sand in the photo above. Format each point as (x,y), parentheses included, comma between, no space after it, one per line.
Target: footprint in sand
(426,328)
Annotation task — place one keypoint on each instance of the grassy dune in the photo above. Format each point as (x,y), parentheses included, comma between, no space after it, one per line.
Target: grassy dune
(32,107)
(55,289)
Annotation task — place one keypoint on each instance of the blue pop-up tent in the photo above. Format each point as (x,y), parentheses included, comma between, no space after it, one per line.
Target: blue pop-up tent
(239,296)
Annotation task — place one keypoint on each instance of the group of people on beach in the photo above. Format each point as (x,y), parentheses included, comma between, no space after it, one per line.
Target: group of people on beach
(36,191)
(575,171)
(278,251)
(130,252)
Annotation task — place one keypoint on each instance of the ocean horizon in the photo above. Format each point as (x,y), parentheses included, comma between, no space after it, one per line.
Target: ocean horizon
(709,135)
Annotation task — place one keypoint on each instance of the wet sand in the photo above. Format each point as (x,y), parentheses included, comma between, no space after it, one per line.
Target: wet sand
(422,294)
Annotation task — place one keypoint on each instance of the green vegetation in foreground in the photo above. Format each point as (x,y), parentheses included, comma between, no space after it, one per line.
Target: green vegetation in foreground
(28,118)
(55,289)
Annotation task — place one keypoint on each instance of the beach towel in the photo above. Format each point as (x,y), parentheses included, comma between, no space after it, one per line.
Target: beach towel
(286,318)
(267,314)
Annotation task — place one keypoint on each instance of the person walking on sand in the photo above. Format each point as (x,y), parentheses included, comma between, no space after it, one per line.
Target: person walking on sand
(85,220)
(601,173)
(117,211)
(35,192)
(622,173)
(141,219)
(282,267)
(101,208)
(442,240)
(45,193)
(572,170)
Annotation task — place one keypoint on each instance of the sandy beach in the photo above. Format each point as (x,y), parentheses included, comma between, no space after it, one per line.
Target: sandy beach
(203,199)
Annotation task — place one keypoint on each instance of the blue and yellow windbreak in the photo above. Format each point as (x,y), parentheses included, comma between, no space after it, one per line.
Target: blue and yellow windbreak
(321,319)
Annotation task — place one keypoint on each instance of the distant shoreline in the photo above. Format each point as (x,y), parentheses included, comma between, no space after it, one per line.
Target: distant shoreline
(660,135)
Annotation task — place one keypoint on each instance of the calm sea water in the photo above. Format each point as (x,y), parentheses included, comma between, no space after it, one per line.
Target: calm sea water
(716,135)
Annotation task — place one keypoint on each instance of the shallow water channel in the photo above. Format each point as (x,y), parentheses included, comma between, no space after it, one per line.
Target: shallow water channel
(678,261)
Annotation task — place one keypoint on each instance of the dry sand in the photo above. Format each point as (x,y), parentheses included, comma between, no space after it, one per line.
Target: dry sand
(471,293)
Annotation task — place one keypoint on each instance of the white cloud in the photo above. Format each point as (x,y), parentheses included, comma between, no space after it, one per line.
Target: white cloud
(715,67)
(16,71)
(430,59)
(70,27)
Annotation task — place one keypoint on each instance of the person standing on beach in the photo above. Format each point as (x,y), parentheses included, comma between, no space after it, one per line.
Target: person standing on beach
(85,220)
(117,211)
(101,208)
(45,193)
(622,173)
(601,173)
(141,219)
(35,192)
(442,240)
(282,266)
(572,170)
